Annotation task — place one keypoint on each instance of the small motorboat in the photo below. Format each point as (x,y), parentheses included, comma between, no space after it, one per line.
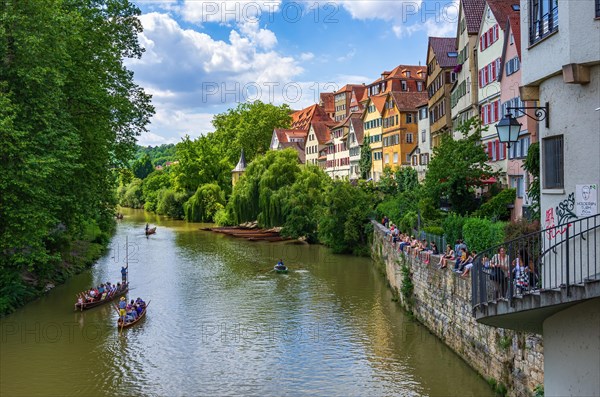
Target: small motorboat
(280,269)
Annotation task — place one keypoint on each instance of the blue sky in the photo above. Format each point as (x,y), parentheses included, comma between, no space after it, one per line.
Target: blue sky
(203,57)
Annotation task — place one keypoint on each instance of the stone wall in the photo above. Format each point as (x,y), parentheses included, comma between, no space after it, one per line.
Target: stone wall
(441,300)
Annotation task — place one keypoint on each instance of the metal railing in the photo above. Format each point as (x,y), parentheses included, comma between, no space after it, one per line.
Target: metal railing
(440,241)
(542,27)
(558,257)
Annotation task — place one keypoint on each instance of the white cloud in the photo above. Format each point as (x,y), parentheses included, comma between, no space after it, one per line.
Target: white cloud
(225,12)
(193,76)
(348,56)
(436,21)
(306,56)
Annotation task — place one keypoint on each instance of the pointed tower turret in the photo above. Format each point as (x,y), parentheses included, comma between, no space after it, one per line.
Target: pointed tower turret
(239,169)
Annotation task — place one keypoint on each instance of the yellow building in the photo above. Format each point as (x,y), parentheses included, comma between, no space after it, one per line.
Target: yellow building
(400,127)
(441,61)
(373,128)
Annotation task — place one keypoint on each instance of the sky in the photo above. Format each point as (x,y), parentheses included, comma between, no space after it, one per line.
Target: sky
(204,57)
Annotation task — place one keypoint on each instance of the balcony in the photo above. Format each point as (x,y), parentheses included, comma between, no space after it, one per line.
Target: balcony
(543,26)
(542,273)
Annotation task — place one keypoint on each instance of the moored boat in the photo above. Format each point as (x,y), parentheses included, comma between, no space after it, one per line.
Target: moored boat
(151,231)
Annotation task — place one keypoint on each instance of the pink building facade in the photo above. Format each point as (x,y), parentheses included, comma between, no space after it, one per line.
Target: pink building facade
(510,80)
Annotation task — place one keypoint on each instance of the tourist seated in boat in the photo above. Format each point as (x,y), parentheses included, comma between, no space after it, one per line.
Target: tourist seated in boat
(280,263)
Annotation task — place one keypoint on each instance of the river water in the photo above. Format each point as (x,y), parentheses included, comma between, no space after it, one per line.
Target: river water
(221,323)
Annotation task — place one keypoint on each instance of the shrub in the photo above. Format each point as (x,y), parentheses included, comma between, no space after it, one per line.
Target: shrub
(481,234)
(453,227)
(438,231)
(223,218)
(170,203)
(408,222)
(497,207)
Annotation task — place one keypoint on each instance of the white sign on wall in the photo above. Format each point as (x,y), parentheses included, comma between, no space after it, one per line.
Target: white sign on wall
(586,200)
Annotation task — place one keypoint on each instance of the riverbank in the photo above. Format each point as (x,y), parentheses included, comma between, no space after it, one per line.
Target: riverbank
(512,362)
(77,256)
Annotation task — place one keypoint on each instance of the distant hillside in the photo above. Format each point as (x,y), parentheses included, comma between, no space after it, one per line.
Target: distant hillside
(158,154)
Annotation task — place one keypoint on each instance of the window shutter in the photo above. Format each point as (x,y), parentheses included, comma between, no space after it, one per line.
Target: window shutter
(481,43)
(493,74)
(489,150)
(489,113)
(497,150)
(497,110)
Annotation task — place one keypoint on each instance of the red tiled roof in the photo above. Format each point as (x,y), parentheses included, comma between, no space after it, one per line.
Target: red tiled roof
(357,124)
(424,102)
(322,131)
(347,88)
(283,134)
(501,10)
(301,119)
(514,19)
(408,101)
(473,12)
(328,102)
(379,102)
(441,46)
(399,72)
(299,146)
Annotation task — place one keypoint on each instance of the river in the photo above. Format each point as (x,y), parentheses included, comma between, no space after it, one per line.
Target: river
(221,323)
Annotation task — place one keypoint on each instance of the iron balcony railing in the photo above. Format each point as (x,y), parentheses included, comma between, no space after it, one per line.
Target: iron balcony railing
(558,257)
(541,27)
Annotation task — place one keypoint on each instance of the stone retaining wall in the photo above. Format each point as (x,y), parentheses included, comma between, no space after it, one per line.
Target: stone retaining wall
(441,300)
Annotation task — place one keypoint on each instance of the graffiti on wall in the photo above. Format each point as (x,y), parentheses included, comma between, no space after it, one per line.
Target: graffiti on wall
(564,212)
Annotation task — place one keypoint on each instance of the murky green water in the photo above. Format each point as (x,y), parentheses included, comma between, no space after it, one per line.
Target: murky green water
(220,323)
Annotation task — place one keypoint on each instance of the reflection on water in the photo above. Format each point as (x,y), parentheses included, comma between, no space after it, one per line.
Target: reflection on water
(220,322)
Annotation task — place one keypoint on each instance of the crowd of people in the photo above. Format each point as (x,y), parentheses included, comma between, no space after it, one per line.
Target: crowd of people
(129,312)
(101,292)
(500,269)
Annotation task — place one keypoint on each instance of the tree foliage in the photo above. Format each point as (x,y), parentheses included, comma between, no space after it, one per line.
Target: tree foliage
(458,167)
(142,167)
(250,127)
(257,194)
(532,165)
(365,158)
(205,203)
(70,112)
(303,203)
(345,222)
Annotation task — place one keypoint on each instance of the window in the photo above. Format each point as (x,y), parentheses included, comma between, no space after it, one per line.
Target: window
(519,149)
(409,118)
(512,65)
(553,162)
(543,19)
(517,183)
(404,86)
(597,8)
(420,83)
(407,73)
(423,135)
(409,137)
(395,158)
(408,158)
(387,158)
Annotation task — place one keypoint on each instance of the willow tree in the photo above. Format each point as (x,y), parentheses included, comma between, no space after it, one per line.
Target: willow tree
(255,196)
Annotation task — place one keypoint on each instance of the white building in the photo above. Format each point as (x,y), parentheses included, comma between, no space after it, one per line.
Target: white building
(421,156)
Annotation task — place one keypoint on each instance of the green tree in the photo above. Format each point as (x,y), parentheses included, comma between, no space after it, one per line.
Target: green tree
(249,126)
(365,158)
(70,113)
(344,225)
(256,197)
(142,167)
(303,203)
(205,203)
(156,181)
(532,165)
(457,167)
